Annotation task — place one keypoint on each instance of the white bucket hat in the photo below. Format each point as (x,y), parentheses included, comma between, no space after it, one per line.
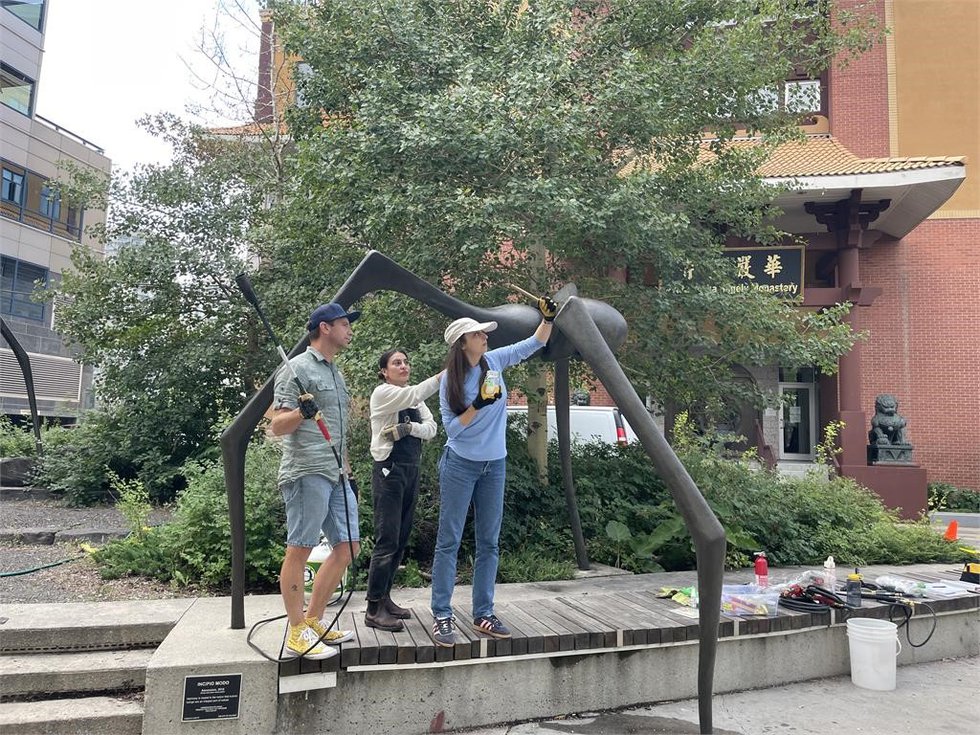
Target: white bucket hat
(466,325)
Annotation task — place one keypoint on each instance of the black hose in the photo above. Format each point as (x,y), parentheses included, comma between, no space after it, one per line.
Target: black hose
(19,572)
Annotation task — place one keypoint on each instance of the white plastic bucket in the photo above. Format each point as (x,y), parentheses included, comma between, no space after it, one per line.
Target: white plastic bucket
(874,648)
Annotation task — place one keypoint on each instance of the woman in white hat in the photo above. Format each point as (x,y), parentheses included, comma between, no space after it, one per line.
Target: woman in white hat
(473,402)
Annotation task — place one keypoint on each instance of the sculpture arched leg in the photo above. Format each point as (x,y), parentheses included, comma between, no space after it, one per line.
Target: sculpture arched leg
(562,419)
(709,536)
(25,368)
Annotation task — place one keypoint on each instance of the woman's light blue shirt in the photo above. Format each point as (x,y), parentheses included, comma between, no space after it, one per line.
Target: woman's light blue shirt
(485,438)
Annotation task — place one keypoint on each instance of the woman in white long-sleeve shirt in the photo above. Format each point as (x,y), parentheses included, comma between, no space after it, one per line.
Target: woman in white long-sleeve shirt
(400,421)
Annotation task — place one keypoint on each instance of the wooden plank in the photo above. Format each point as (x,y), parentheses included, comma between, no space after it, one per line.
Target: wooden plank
(344,622)
(691,627)
(645,618)
(404,646)
(671,629)
(614,617)
(424,647)
(523,627)
(550,638)
(609,635)
(580,634)
(518,638)
(648,619)
(566,638)
(368,640)
(595,631)
(387,646)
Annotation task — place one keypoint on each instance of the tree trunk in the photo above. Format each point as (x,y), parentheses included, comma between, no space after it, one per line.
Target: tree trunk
(537,420)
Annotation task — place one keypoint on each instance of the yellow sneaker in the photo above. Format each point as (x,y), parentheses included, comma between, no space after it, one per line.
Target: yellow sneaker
(302,641)
(331,637)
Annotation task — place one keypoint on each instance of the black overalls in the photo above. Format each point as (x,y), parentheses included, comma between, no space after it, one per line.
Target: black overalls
(395,485)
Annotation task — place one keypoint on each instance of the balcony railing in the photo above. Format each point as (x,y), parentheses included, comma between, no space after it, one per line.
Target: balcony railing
(74,136)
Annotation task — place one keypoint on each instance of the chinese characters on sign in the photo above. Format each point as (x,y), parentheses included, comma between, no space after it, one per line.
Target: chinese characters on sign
(777,271)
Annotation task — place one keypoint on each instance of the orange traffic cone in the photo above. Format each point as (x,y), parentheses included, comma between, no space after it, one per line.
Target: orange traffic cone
(952,531)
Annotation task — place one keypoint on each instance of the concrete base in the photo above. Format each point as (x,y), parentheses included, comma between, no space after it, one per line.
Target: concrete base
(405,700)
(203,644)
(900,487)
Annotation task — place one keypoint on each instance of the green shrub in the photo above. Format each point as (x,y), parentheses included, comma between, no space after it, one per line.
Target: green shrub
(946,497)
(80,461)
(195,547)
(15,441)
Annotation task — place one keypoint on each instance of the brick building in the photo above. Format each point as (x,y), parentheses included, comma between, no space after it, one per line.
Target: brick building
(891,214)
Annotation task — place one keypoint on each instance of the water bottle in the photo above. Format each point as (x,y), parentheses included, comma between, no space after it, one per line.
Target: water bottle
(830,574)
(853,589)
(761,569)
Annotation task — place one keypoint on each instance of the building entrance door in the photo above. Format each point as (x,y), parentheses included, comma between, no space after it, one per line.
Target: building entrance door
(798,421)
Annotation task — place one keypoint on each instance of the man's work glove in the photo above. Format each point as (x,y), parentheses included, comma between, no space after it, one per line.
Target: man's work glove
(394,432)
(307,406)
(480,401)
(548,308)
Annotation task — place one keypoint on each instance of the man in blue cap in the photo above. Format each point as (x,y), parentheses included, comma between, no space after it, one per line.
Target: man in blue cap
(316,490)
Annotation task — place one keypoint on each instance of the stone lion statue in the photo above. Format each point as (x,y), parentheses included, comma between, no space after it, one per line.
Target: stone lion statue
(887,427)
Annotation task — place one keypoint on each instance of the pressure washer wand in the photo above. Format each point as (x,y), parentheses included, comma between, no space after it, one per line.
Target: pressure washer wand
(245,286)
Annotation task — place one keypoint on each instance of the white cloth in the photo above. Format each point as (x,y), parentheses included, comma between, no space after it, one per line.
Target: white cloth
(387,400)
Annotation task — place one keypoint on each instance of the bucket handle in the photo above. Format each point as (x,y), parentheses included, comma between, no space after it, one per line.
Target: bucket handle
(898,641)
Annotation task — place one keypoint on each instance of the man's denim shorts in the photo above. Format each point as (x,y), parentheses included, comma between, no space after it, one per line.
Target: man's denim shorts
(314,504)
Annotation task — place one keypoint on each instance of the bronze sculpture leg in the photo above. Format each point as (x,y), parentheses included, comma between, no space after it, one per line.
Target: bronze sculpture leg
(565,452)
(706,530)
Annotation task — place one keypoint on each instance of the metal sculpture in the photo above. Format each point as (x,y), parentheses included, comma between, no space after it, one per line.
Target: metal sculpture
(585,329)
(25,368)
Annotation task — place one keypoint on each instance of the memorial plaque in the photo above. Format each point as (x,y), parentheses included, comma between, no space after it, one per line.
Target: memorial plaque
(214,697)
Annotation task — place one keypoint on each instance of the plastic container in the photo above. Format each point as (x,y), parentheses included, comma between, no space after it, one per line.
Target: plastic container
(905,586)
(749,600)
(761,569)
(829,574)
(853,589)
(874,649)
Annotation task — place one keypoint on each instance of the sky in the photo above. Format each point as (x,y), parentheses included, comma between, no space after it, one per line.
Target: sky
(107,63)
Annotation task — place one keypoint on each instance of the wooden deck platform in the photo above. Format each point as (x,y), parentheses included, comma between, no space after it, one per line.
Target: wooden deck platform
(620,613)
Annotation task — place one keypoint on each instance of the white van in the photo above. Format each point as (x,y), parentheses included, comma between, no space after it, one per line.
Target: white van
(588,424)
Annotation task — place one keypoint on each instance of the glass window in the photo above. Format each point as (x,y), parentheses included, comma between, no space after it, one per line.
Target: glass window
(803,96)
(50,202)
(18,283)
(16,90)
(13,187)
(29,11)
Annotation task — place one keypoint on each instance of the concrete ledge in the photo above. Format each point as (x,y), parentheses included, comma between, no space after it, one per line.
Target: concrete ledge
(29,536)
(57,673)
(407,700)
(103,715)
(203,644)
(88,626)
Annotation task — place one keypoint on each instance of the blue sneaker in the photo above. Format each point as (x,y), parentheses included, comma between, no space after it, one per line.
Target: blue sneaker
(491,625)
(442,632)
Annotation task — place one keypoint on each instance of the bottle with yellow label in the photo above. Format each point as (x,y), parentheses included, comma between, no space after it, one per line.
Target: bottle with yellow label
(491,384)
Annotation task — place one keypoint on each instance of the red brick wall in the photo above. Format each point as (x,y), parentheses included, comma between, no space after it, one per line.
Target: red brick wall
(858,98)
(924,343)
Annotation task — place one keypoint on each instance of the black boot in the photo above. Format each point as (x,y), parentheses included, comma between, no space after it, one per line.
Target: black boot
(378,617)
(396,611)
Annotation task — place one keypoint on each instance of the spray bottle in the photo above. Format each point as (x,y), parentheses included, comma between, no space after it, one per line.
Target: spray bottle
(830,574)
(761,569)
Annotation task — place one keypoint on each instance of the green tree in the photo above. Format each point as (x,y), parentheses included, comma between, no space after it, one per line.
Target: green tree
(174,345)
(480,142)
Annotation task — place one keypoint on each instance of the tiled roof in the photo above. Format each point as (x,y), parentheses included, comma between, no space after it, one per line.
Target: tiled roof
(824,155)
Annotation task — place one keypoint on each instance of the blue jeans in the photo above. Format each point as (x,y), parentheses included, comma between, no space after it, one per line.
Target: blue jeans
(460,481)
